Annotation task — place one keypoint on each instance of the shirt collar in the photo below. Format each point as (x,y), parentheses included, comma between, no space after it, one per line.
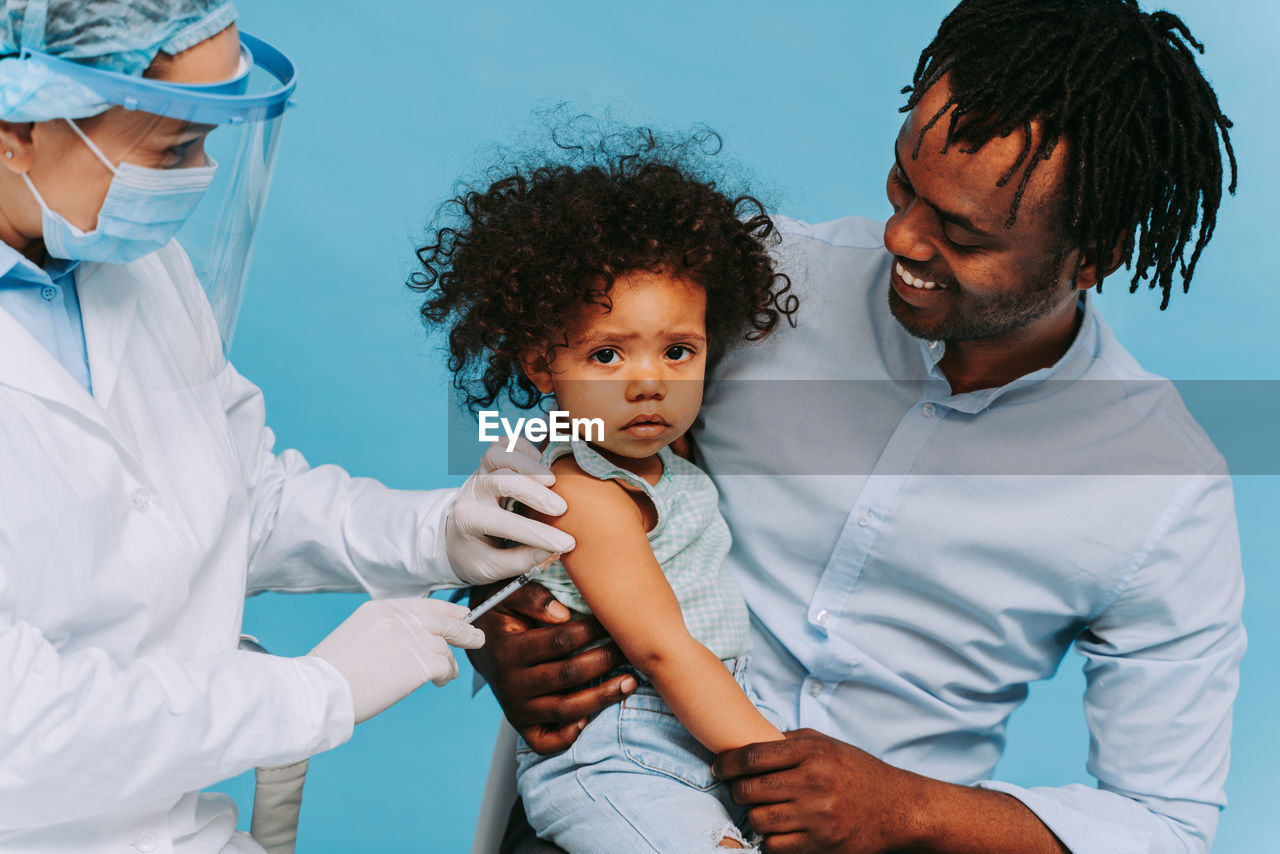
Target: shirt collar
(1070,366)
(18,268)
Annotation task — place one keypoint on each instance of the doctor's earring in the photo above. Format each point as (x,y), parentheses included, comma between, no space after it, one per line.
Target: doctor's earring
(8,155)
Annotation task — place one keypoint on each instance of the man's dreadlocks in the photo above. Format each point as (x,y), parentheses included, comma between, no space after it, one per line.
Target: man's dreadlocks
(1122,89)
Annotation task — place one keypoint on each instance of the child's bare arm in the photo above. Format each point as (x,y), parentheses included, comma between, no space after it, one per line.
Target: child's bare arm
(614,569)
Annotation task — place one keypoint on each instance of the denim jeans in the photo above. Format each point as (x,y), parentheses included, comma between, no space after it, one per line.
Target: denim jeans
(635,780)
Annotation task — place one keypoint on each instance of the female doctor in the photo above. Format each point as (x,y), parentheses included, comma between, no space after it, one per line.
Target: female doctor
(141,498)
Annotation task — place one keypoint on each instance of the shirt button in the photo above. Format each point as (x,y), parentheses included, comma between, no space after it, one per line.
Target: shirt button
(928,410)
(141,500)
(822,617)
(146,842)
(933,345)
(864,519)
(815,688)
(48,292)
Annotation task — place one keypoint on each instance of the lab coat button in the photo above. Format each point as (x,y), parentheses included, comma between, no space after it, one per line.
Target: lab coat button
(933,345)
(864,519)
(928,410)
(48,292)
(146,842)
(141,502)
(815,688)
(821,617)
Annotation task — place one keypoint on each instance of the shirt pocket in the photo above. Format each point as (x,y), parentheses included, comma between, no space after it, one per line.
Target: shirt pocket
(651,736)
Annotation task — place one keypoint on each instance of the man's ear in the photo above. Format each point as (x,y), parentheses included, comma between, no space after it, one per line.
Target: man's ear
(16,149)
(536,369)
(1092,271)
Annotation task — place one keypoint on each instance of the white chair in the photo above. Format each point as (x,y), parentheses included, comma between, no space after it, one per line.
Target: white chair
(277,794)
(499,793)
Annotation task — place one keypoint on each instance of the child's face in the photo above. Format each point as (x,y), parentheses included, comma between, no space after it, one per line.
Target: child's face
(638,366)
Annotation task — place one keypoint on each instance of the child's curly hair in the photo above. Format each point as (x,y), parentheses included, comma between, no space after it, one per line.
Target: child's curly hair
(517,261)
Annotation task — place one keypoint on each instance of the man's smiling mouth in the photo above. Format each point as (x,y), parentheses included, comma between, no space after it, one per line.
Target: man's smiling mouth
(914,281)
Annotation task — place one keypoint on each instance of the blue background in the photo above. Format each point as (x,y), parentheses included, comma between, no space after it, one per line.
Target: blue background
(397,99)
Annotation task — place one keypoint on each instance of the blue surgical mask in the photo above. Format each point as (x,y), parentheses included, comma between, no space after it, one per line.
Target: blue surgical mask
(143,210)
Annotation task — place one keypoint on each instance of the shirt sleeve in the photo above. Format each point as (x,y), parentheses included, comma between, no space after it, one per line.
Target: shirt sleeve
(319,528)
(1162,670)
(81,735)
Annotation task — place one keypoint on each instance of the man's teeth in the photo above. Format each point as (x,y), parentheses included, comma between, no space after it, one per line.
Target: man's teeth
(913,281)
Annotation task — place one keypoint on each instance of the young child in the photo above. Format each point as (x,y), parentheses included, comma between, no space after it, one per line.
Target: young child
(605,282)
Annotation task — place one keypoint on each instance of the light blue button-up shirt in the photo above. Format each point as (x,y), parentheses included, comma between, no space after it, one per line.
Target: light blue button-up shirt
(913,559)
(45,302)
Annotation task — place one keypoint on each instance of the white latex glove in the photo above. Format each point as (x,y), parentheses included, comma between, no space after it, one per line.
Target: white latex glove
(389,648)
(479,522)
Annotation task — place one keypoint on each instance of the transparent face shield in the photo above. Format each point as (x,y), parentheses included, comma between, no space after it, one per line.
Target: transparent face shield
(191,162)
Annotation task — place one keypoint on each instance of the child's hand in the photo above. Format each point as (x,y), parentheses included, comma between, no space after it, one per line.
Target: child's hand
(537,669)
(475,529)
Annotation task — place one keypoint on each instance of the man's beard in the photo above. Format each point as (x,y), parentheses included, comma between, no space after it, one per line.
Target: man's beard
(970,319)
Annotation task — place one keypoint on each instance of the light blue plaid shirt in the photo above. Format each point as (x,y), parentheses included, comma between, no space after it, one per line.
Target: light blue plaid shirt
(690,540)
(912,558)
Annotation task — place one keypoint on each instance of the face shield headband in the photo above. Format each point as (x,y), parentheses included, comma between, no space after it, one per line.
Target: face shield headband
(227,102)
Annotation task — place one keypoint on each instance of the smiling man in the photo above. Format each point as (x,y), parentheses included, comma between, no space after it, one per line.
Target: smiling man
(951,473)
(997,283)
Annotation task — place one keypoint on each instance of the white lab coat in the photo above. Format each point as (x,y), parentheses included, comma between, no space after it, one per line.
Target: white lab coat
(132,525)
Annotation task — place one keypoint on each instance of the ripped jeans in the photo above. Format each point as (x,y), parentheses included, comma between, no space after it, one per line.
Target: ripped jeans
(635,780)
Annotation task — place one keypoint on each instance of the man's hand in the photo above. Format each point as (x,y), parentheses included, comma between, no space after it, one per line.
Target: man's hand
(537,668)
(812,793)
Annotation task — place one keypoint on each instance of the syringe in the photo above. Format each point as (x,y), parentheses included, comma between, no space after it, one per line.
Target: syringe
(516,583)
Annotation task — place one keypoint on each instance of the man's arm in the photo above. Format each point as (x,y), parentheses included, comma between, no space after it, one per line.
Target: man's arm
(812,793)
(1161,668)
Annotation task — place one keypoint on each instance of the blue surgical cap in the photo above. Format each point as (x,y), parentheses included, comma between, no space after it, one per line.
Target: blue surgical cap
(115,35)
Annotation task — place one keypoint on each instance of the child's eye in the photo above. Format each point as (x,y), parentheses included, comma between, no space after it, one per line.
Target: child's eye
(607,356)
(679,353)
